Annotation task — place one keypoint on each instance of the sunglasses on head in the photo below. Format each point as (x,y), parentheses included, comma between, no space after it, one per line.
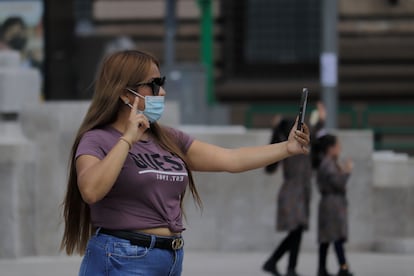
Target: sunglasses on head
(155,84)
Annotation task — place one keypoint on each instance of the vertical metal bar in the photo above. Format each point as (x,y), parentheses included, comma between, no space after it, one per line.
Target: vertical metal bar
(329,60)
(207,46)
(170,30)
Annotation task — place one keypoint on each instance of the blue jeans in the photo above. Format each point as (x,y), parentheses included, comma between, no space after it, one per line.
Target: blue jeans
(111,256)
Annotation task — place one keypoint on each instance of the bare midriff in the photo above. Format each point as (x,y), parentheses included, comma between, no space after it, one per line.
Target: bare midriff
(161,231)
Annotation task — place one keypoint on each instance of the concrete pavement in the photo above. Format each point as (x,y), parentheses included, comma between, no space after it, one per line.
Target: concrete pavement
(198,263)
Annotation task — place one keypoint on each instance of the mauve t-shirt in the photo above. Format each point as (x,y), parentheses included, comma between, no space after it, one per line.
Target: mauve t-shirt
(148,189)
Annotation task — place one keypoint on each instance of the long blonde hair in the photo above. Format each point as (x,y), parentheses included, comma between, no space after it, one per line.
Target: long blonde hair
(117,71)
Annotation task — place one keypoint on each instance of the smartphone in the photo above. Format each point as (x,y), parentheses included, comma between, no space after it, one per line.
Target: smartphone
(302,108)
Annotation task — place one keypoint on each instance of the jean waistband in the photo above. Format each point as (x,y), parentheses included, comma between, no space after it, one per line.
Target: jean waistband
(135,238)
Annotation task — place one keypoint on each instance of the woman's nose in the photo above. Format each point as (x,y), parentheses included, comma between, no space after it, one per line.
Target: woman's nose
(162,92)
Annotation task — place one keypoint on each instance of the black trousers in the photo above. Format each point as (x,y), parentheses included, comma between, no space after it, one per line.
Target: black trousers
(323,254)
(291,243)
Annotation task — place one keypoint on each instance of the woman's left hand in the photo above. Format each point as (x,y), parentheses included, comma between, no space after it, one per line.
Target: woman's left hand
(298,141)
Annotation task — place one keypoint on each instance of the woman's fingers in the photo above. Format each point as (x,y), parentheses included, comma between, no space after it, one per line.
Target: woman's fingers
(302,137)
(137,123)
(295,125)
(142,121)
(137,117)
(305,129)
(303,141)
(135,106)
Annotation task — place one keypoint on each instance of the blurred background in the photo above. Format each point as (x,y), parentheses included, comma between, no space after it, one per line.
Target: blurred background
(231,66)
(255,55)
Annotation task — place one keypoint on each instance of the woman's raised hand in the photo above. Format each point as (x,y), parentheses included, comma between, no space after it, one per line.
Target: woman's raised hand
(137,124)
(347,166)
(298,141)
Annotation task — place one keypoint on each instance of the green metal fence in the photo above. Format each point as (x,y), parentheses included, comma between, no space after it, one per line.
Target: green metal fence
(404,129)
(291,110)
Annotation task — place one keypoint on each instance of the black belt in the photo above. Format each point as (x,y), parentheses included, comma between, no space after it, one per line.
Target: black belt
(173,243)
(333,193)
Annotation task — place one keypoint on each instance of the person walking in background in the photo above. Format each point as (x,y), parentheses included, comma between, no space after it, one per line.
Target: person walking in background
(293,201)
(128,174)
(332,177)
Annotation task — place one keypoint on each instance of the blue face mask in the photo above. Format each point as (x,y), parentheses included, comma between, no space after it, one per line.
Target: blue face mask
(154,106)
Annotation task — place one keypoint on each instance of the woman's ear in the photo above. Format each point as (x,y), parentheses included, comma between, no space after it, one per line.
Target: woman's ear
(124,98)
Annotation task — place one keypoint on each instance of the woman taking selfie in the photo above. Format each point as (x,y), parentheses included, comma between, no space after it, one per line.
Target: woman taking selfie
(128,175)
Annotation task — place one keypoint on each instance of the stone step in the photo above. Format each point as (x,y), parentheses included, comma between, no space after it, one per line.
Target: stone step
(394,245)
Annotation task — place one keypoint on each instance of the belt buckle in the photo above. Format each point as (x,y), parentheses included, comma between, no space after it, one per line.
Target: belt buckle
(177,243)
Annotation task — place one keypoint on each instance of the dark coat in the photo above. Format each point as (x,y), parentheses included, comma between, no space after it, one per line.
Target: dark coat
(333,213)
(294,195)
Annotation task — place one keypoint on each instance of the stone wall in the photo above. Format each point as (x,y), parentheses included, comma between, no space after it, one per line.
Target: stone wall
(17,164)
(17,158)
(51,127)
(393,205)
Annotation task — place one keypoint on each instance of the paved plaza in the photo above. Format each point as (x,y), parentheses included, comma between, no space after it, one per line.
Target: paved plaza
(224,263)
